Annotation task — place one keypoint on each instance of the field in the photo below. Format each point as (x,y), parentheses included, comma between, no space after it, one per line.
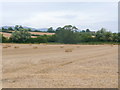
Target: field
(35,33)
(42,33)
(59,66)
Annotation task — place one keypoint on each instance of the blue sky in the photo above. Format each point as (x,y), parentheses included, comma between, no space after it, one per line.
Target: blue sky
(92,15)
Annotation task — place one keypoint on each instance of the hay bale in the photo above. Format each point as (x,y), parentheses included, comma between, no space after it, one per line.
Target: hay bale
(8,45)
(61,46)
(78,46)
(68,50)
(5,47)
(35,47)
(16,46)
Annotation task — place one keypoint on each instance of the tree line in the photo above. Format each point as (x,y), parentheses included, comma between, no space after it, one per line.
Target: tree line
(68,35)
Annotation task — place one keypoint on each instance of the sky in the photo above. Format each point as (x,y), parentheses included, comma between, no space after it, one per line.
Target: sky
(83,15)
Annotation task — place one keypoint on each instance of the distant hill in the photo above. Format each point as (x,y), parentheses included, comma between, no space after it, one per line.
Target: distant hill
(6,27)
(42,29)
(33,29)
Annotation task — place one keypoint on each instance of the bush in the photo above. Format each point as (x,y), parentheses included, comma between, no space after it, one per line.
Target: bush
(3,39)
(51,38)
(20,36)
(39,39)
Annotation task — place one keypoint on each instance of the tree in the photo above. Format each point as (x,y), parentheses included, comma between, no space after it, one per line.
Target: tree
(20,27)
(10,28)
(50,30)
(29,29)
(42,39)
(100,35)
(87,30)
(66,34)
(118,36)
(70,27)
(39,39)
(17,27)
(74,29)
(108,36)
(3,39)
(51,38)
(85,37)
(83,31)
(115,37)
(3,28)
(59,28)
(20,36)
(104,35)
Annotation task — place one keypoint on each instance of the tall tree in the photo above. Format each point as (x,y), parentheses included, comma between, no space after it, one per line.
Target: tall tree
(87,30)
(20,27)
(3,28)
(66,34)
(108,36)
(100,34)
(10,28)
(50,30)
(16,27)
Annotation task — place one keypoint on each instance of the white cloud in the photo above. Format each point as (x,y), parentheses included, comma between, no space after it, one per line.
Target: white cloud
(40,15)
(55,19)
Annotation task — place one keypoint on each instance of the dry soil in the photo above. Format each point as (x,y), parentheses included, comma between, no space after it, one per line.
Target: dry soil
(59,66)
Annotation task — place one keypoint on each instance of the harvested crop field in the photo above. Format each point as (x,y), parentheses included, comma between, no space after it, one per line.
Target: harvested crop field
(8,35)
(59,66)
(42,33)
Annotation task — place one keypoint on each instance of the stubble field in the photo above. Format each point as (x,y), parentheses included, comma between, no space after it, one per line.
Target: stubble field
(59,66)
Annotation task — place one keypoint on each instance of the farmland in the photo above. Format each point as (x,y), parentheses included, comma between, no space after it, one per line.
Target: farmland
(33,33)
(59,66)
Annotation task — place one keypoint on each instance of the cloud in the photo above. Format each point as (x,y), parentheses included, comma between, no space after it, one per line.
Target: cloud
(40,15)
(55,19)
